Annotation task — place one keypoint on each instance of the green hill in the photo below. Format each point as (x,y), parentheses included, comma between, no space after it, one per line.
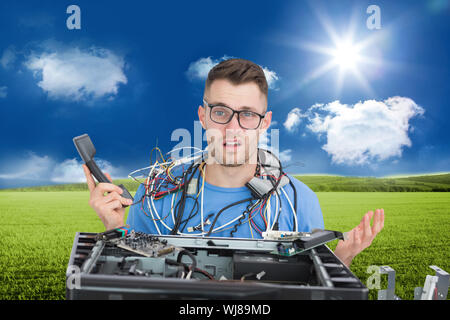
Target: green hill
(425,183)
(318,183)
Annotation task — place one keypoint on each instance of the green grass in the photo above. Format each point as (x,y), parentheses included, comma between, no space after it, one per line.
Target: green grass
(37,231)
(424,183)
(415,235)
(434,183)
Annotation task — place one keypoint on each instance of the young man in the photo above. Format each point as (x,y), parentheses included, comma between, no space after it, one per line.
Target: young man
(234,115)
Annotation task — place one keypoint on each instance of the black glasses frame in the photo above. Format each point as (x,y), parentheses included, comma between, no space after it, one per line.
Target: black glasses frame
(211,106)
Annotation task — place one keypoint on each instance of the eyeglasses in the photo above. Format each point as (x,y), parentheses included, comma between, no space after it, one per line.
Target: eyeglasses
(222,114)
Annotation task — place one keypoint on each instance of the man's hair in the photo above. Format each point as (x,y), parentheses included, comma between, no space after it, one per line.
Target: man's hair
(238,71)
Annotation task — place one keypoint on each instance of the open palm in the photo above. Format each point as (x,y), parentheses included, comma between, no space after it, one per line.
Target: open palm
(360,237)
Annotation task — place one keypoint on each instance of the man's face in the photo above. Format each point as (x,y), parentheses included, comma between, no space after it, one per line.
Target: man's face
(229,143)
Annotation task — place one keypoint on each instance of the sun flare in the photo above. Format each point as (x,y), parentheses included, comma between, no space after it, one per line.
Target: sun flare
(346,56)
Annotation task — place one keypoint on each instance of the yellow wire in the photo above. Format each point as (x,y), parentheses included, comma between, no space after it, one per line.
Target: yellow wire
(165,167)
(169,170)
(250,226)
(160,153)
(203,178)
(267,205)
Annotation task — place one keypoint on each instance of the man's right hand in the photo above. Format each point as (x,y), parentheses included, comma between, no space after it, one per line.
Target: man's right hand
(105,199)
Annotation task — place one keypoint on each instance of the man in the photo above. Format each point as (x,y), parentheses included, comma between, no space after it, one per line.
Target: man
(234,115)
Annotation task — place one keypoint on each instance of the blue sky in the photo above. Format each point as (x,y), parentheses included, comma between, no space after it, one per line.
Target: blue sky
(135,72)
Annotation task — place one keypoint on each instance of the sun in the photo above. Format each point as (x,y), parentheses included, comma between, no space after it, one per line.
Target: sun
(346,56)
(350,56)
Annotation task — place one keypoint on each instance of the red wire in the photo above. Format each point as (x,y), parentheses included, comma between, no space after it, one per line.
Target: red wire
(142,206)
(260,212)
(257,229)
(251,218)
(161,194)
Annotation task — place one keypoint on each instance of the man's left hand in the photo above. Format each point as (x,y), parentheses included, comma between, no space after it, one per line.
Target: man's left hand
(360,237)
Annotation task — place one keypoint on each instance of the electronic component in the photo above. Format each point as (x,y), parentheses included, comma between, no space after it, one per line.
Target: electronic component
(270,176)
(140,265)
(114,233)
(284,235)
(300,241)
(144,244)
(258,187)
(192,187)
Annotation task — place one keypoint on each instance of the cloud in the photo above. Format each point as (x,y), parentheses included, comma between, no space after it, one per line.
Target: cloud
(285,155)
(32,167)
(70,170)
(270,140)
(44,168)
(3,92)
(271,78)
(198,70)
(365,132)
(8,57)
(293,119)
(265,138)
(71,73)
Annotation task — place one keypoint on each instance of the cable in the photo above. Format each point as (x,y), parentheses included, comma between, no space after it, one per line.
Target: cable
(269,214)
(186,267)
(180,211)
(162,182)
(191,214)
(295,197)
(254,212)
(267,218)
(175,163)
(201,206)
(177,209)
(156,226)
(292,207)
(225,208)
(188,253)
(278,211)
(249,210)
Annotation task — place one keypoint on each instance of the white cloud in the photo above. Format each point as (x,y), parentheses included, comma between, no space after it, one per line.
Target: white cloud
(3,92)
(75,74)
(285,155)
(270,140)
(293,119)
(198,70)
(44,168)
(8,57)
(264,138)
(271,78)
(365,132)
(31,167)
(70,170)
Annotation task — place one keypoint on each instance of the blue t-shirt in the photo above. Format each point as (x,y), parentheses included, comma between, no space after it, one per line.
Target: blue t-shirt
(231,222)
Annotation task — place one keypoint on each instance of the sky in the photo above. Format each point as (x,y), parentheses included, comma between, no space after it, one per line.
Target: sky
(354,89)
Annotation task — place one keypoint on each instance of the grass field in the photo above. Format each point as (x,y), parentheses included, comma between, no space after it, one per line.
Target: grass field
(421,183)
(37,230)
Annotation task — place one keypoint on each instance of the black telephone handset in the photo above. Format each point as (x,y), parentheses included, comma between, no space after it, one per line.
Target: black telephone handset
(87,151)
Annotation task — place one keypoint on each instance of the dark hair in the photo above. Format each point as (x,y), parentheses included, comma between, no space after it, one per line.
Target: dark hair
(238,71)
